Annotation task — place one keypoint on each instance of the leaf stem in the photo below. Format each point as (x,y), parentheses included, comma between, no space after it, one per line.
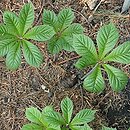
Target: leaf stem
(89,72)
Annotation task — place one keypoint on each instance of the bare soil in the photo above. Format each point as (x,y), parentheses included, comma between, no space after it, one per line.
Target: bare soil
(24,87)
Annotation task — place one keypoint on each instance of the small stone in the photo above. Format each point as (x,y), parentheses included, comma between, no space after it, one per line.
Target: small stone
(6,99)
(50,94)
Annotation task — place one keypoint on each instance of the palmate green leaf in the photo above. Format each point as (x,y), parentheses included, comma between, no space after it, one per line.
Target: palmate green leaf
(53,129)
(68,43)
(11,21)
(40,33)
(49,18)
(94,81)
(63,128)
(67,109)
(85,127)
(107,128)
(117,78)
(65,18)
(74,28)
(3,29)
(67,37)
(84,46)
(55,45)
(13,58)
(75,127)
(54,118)
(32,127)
(84,116)
(46,109)
(85,61)
(26,18)
(120,54)
(6,42)
(107,37)
(34,115)
(32,54)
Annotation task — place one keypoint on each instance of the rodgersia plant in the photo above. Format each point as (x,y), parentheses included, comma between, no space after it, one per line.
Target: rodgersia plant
(15,35)
(64,29)
(49,119)
(107,38)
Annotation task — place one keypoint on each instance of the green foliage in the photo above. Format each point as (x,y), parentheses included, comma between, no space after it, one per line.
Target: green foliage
(32,127)
(49,119)
(106,40)
(64,29)
(67,109)
(15,33)
(94,81)
(107,128)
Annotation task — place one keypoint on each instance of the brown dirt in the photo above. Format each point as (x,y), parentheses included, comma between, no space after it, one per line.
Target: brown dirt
(23,88)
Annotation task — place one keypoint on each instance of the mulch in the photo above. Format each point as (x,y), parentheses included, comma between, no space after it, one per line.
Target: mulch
(57,77)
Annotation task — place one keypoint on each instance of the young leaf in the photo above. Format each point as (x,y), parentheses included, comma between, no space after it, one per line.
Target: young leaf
(13,58)
(26,18)
(84,62)
(75,127)
(74,28)
(107,128)
(40,33)
(65,18)
(53,118)
(67,109)
(106,39)
(55,45)
(84,116)
(68,46)
(49,18)
(117,78)
(6,42)
(84,46)
(32,54)
(120,54)
(85,127)
(11,20)
(46,109)
(3,29)
(53,129)
(33,115)
(94,82)
(32,127)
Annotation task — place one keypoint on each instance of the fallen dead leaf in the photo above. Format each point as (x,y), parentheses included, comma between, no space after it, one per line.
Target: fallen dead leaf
(90,3)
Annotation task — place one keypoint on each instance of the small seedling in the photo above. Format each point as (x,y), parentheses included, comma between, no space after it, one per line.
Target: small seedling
(16,33)
(107,38)
(62,24)
(49,119)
